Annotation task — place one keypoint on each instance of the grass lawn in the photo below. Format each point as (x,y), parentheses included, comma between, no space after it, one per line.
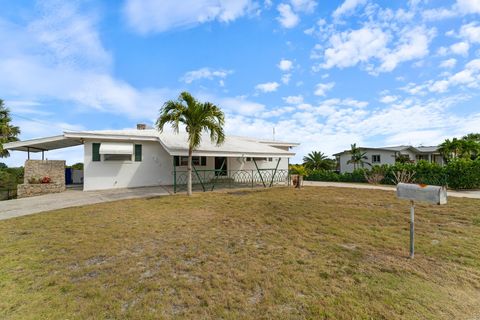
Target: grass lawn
(315,253)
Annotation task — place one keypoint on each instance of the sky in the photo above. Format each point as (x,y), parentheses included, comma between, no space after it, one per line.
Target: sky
(323,73)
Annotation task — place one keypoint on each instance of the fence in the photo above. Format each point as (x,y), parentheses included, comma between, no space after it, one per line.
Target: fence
(208,180)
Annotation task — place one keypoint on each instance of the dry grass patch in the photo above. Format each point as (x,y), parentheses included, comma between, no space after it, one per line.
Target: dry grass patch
(315,253)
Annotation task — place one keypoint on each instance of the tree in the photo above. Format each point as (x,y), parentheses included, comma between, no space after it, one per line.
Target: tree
(196,117)
(468,147)
(8,133)
(358,157)
(317,160)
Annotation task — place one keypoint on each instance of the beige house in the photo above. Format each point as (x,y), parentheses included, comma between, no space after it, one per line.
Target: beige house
(387,155)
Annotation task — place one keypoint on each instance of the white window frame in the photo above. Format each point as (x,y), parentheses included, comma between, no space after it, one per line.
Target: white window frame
(379,158)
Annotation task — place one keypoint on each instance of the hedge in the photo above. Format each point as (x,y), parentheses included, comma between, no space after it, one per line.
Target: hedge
(457,174)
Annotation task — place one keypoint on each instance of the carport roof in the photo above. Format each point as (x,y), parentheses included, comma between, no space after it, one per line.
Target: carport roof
(43,144)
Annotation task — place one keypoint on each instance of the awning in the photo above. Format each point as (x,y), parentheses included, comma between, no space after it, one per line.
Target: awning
(116,148)
(43,144)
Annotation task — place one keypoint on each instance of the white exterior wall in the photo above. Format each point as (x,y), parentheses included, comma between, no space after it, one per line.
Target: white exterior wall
(386,157)
(155,169)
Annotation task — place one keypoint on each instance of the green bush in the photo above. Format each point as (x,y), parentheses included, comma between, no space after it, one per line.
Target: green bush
(463,174)
(323,175)
(10,177)
(457,174)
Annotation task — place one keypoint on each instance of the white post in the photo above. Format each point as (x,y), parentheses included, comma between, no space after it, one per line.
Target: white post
(412,229)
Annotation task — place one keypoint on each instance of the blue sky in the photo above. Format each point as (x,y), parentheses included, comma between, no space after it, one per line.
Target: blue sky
(323,73)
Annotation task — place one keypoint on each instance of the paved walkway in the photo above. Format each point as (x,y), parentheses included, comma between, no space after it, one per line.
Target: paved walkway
(457,194)
(72,198)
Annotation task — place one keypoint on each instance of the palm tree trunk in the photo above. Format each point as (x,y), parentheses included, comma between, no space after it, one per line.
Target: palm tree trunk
(189,172)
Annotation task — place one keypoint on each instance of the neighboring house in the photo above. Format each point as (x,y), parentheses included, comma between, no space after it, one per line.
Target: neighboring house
(387,155)
(146,157)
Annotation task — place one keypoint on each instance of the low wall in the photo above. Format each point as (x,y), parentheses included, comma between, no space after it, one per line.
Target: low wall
(38,169)
(31,190)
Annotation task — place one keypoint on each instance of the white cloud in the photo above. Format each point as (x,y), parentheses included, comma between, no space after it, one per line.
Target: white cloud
(146,16)
(413,45)
(293,99)
(347,7)
(205,73)
(240,105)
(468,6)
(388,99)
(69,37)
(350,48)
(449,63)
(438,14)
(468,77)
(322,88)
(285,65)
(460,48)
(307,6)
(287,18)
(267,86)
(370,44)
(286,78)
(471,32)
(75,71)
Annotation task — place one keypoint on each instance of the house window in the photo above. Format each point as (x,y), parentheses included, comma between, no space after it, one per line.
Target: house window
(117,157)
(138,152)
(95,151)
(376,158)
(196,161)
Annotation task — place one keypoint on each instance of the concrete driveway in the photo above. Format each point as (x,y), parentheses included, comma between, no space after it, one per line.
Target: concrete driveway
(72,198)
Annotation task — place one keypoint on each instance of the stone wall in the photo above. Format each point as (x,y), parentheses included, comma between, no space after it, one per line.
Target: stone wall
(37,169)
(31,190)
(55,169)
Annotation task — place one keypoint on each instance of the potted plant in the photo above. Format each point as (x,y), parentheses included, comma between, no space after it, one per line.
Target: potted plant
(297,172)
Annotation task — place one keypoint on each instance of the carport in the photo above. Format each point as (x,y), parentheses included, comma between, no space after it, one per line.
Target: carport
(43,144)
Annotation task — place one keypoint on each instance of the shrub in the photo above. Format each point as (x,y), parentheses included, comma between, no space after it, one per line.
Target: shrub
(298,169)
(457,174)
(375,175)
(323,175)
(463,174)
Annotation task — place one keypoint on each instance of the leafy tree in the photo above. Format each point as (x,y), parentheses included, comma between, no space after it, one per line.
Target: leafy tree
(8,132)
(317,160)
(196,117)
(358,157)
(468,147)
(77,166)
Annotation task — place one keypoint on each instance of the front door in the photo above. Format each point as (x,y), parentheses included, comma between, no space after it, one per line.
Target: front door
(221,166)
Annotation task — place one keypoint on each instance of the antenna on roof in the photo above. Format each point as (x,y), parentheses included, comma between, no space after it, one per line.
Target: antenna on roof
(273,133)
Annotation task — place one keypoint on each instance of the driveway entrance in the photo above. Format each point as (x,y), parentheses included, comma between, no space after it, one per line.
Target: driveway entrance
(72,198)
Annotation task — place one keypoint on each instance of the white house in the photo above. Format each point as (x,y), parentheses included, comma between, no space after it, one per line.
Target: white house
(388,155)
(145,157)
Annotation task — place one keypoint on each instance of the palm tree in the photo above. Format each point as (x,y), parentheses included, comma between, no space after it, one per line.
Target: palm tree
(8,133)
(358,157)
(317,160)
(196,117)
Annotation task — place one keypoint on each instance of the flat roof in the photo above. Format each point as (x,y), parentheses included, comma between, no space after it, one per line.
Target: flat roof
(43,144)
(174,143)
